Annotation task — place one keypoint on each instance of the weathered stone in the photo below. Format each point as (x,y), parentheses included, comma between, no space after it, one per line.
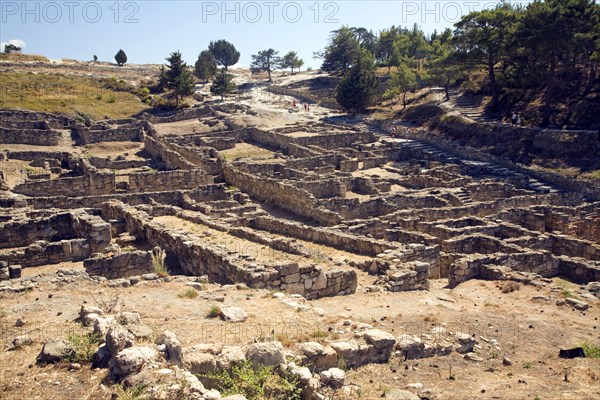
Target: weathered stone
(267,353)
(233,314)
(577,304)
(22,341)
(173,346)
(132,360)
(55,351)
(200,363)
(230,356)
(117,339)
(333,377)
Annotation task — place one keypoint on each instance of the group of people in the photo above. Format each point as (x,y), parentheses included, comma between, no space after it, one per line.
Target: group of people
(515,119)
(305,106)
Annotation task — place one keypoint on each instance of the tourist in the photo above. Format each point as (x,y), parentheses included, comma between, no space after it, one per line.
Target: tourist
(513,120)
(394,131)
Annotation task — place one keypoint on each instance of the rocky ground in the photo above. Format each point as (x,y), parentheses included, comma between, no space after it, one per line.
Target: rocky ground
(481,339)
(500,345)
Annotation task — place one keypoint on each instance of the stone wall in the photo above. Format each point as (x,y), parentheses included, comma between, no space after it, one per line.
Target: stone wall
(327,237)
(22,119)
(197,257)
(91,227)
(125,133)
(44,253)
(35,137)
(120,265)
(93,182)
(281,194)
(23,232)
(168,180)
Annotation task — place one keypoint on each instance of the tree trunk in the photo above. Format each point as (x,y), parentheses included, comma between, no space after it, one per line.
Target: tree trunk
(446,89)
(493,84)
(269,72)
(404,100)
(292,70)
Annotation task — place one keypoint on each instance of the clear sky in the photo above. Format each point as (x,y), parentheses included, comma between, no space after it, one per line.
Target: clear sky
(148,30)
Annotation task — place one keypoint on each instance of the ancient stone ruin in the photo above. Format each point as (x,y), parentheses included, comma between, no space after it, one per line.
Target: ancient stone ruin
(308,210)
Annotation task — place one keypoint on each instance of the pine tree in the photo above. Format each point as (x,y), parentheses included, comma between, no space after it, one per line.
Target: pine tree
(224,52)
(206,66)
(222,85)
(291,60)
(357,90)
(121,58)
(178,77)
(265,60)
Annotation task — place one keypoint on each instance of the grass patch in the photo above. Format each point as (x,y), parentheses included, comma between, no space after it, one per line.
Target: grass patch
(509,287)
(262,383)
(592,175)
(189,293)
(590,350)
(71,95)
(214,312)
(84,346)
(158,262)
(132,393)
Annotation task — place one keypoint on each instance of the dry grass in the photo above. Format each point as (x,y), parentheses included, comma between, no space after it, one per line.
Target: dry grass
(509,287)
(69,95)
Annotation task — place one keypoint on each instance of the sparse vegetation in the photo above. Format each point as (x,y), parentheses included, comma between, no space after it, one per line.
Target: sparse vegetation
(108,302)
(158,262)
(84,345)
(510,286)
(214,312)
(590,350)
(131,393)
(257,384)
(189,293)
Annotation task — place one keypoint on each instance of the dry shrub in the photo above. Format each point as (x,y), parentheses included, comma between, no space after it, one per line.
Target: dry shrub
(510,286)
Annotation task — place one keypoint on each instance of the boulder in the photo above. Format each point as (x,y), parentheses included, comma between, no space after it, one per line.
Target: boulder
(131,361)
(88,314)
(267,353)
(103,324)
(318,356)
(174,352)
(379,339)
(22,341)
(128,318)
(200,363)
(577,304)
(54,351)
(333,377)
(117,339)
(230,356)
(466,343)
(233,314)
(411,347)
(101,357)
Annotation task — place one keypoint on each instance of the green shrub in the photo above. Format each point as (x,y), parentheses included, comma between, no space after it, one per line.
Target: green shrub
(84,346)
(214,312)
(261,383)
(590,350)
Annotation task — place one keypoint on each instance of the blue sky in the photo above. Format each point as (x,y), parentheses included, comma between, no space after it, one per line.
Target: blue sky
(149,30)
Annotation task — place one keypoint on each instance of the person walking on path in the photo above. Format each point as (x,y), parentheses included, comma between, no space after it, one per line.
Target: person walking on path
(513,119)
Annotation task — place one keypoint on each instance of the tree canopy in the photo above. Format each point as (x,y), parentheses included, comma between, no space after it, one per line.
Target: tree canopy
(291,60)
(265,61)
(206,66)
(178,77)
(121,57)
(357,89)
(224,52)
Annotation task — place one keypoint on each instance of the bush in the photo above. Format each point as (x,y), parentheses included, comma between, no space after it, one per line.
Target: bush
(190,293)
(158,262)
(262,383)
(84,346)
(508,287)
(214,312)
(590,350)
